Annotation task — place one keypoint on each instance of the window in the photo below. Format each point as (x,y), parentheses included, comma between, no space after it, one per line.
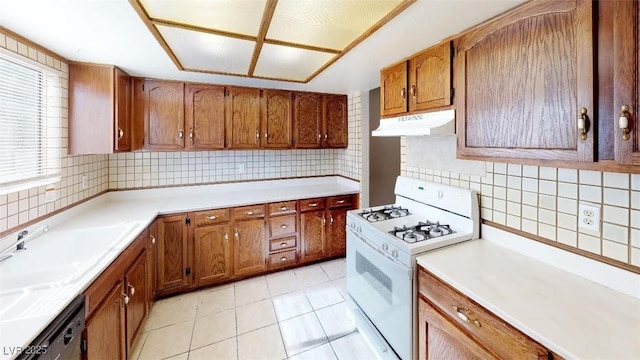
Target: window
(29,124)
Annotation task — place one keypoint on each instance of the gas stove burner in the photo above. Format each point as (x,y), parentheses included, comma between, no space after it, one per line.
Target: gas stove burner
(387,212)
(422,231)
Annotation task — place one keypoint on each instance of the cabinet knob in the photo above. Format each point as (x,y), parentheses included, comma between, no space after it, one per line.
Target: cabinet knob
(284,258)
(180,134)
(331,219)
(283,208)
(153,239)
(120,133)
(324,220)
(191,135)
(266,135)
(126,298)
(257,135)
(226,236)
(283,226)
(623,123)
(284,244)
(413,91)
(212,217)
(464,317)
(583,125)
(341,201)
(237,234)
(319,136)
(132,290)
(403,93)
(313,204)
(249,212)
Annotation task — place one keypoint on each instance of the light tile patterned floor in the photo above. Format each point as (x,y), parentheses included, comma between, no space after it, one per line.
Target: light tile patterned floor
(297,314)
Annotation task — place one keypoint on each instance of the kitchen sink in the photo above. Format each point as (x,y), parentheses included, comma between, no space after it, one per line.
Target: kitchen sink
(60,257)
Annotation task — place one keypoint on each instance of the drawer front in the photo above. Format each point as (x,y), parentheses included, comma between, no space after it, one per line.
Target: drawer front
(282,226)
(282,244)
(282,259)
(212,217)
(282,208)
(501,338)
(340,201)
(248,212)
(312,204)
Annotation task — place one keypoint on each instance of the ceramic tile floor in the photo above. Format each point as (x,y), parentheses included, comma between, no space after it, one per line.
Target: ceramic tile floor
(297,314)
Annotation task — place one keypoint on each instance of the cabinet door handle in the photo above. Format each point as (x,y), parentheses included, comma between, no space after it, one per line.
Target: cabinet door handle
(237,234)
(249,212)
(266,135)
(212,217)
(313,204)
(583,126)
(153,239)
(283,208)
(331,219)
(341,201)
(226,236)
(132,290)
(257,135)
(283,244)
(120,133)
(283,226)
(403,93)
(464,317)
(324,220)
(319,136)
(180,134)
(326,136)
(623,123)
(413,91)
(191,135)
(126,298)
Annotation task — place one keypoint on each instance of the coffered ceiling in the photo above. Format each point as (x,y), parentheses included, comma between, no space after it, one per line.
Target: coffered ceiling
(290,40)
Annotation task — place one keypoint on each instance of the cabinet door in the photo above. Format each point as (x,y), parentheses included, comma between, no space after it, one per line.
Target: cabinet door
(626,73)
(277,124)
(243,118)
(172,253)
(204,116)
(122,127)
(522,80)
(337,232)
(438,338)
(313,237)
(393,89)
(135,280)
(152,253)
(336,132)
(212,254)
(430,78)
(307,120)
(105,331)
(250,247)
(163,115)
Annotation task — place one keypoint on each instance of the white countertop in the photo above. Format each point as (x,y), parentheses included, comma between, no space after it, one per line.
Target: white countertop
(25,313)
(568,312)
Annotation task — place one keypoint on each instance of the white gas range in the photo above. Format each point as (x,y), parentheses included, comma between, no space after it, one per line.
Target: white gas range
(382,245)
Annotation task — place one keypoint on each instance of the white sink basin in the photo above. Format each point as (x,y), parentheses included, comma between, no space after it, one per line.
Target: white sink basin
(60,257)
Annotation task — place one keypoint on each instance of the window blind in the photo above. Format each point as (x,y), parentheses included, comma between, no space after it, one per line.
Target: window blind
(29,124)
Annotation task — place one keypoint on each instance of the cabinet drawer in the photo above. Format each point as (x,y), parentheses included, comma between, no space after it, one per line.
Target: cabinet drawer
(282,225)
(282,259)
(248,212)
(340,201)
(282,208)
(501,338)
(312,204)
(282,244)
(212,217)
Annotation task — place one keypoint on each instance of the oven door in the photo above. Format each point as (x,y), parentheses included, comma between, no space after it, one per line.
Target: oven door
(382,288)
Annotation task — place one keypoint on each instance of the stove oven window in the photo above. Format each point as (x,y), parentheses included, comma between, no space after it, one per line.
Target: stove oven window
(376,278)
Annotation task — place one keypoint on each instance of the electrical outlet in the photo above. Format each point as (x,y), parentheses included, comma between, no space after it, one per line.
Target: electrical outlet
(242,167)
(589,217)
(85,182)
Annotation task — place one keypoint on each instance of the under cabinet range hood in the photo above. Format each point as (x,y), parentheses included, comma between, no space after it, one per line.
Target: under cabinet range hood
(433,123)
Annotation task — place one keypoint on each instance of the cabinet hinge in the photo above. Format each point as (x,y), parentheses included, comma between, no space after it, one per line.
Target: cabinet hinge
(188,271)
(452,92)
(142,86)
(83,346)
(187,221)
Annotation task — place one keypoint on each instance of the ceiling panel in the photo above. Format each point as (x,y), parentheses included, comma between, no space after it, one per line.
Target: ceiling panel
(289,63)
(332,24)
(237,16)
(208,52)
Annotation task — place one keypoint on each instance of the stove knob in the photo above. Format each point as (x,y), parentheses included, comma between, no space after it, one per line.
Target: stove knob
(385,246)
(359,228)
(394,253)
(440,194)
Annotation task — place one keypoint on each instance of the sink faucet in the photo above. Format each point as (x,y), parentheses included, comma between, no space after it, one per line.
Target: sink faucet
(21,236)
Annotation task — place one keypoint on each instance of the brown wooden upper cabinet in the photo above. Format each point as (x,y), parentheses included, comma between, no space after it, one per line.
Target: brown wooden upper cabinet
(205,116)
(307,120)
(163,114)
(393,89)
(335,121)
(626,82)
(277,126)
(99,106)
(522,82)
(243,118)
(430,78)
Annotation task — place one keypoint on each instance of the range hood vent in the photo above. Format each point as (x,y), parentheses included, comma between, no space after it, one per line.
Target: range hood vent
(434,123)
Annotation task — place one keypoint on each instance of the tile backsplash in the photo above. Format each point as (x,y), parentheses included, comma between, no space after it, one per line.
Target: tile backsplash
(21,207)
(544,201)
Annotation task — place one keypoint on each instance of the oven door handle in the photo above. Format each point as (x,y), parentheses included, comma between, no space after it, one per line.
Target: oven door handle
(394,262)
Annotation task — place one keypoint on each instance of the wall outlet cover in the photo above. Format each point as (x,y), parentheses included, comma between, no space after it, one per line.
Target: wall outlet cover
(589,217)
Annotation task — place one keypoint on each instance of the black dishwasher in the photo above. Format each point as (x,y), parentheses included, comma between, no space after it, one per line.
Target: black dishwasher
(62,338)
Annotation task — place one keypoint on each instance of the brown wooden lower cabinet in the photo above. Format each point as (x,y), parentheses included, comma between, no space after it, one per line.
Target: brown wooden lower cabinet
(337,232)
(105,331)
(250,250)
(212,258)
(172,256)
(452,326)
(312,231)
(135,281)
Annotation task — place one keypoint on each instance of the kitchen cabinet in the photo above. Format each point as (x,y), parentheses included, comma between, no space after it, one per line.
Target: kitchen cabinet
(152,253)
(135,282)
(307,120)
(205,116)
(626,80)
(212,258)
(313,222)
(430,78)
(173,269)
(249,247)
(522,82)
(335,121)
(162,111)
(105,331)
(453,326)
(243,118)
(336,232)
(393,89)
(277,119)
(283,234)
(99,109)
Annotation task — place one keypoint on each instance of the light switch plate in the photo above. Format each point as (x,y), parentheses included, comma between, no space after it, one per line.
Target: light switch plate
(589,217)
